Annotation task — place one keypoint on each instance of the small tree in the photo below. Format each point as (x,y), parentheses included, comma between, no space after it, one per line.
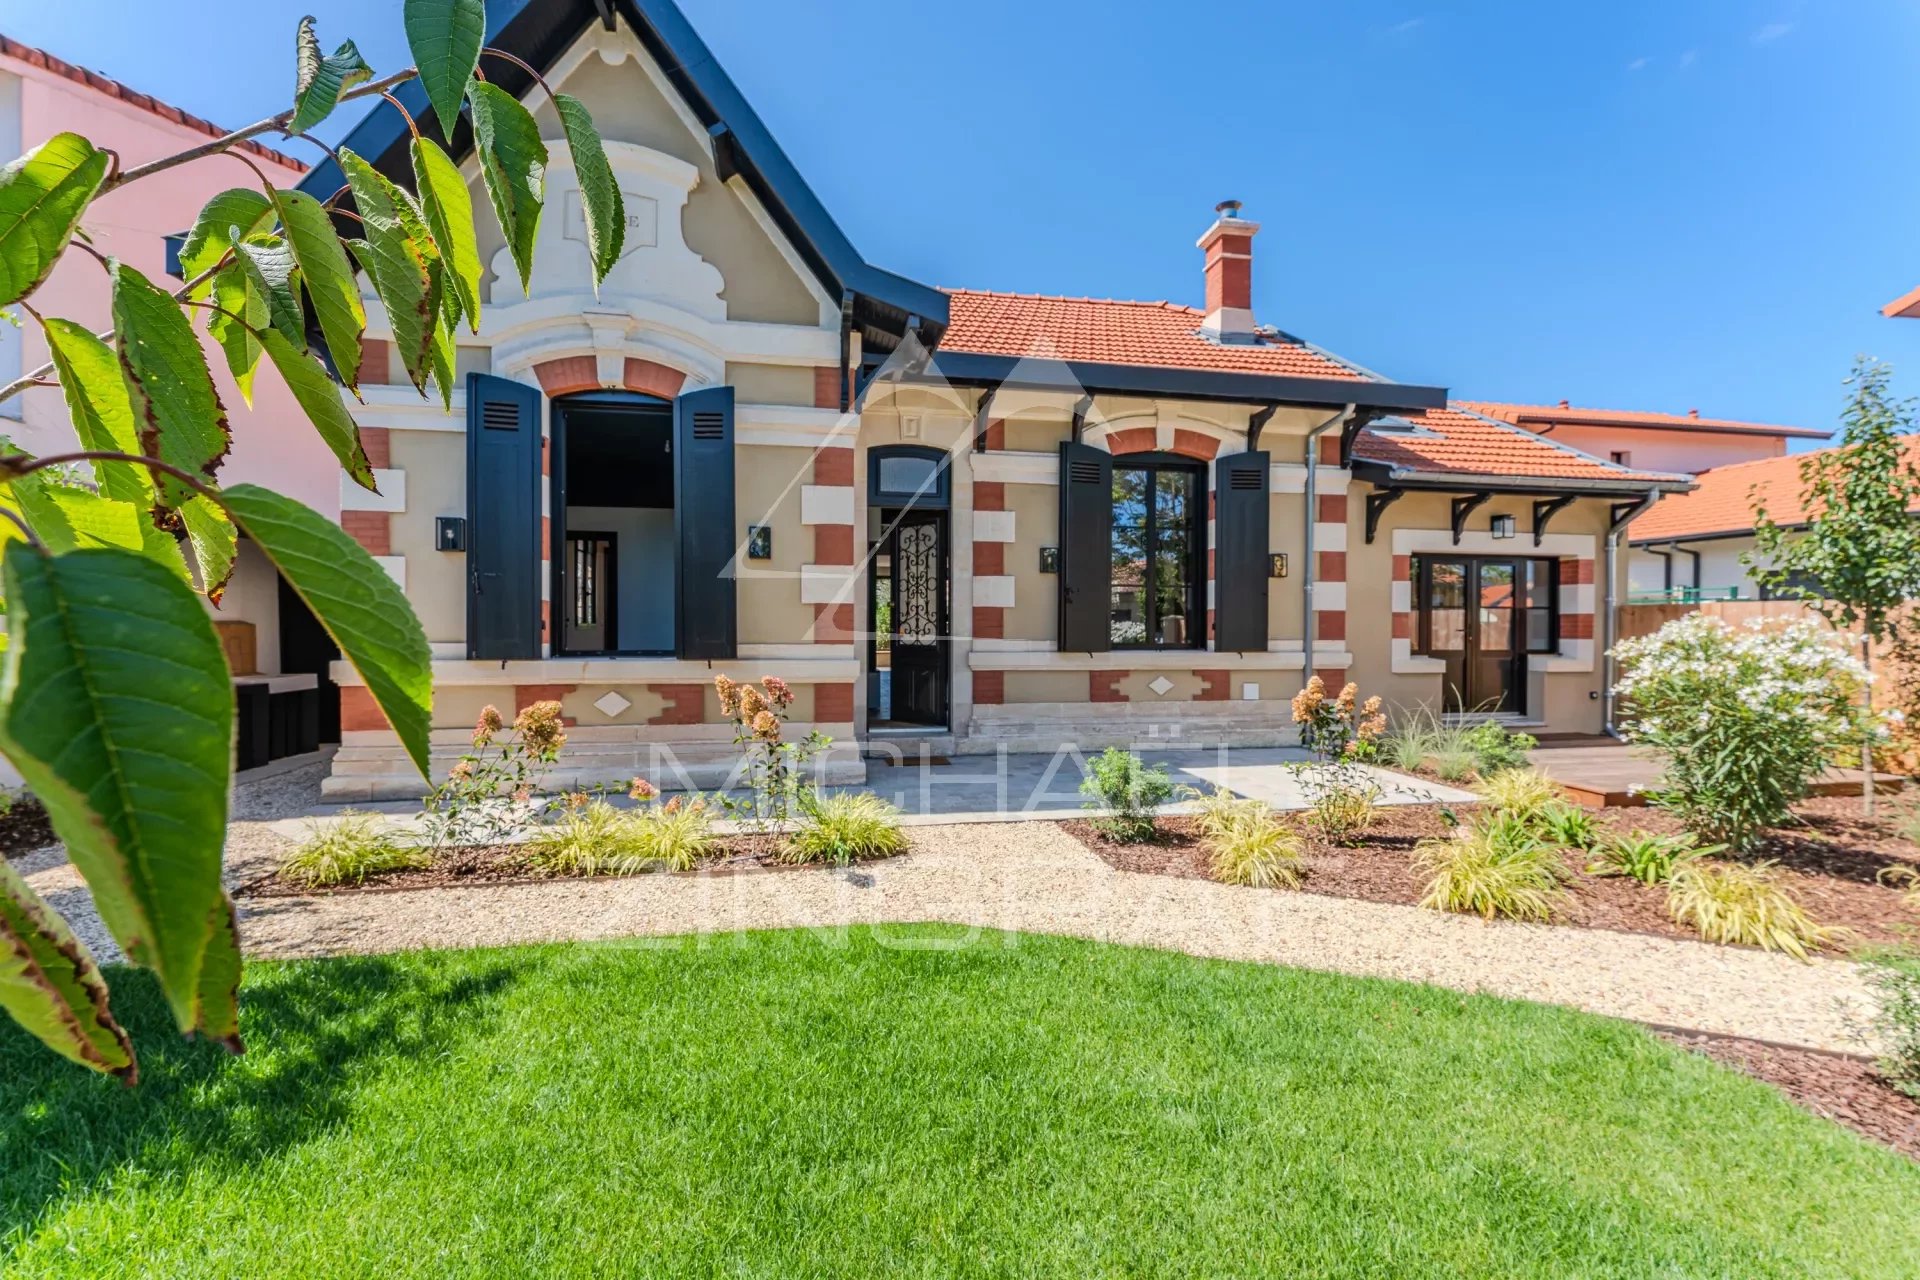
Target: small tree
(1858,560)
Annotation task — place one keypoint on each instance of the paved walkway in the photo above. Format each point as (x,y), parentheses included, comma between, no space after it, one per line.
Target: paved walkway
(1033,877)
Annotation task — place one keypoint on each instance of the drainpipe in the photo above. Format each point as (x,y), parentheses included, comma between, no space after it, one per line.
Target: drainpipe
(1313,514)
(1609,617)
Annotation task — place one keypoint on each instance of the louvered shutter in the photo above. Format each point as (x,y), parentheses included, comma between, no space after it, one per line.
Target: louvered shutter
(1086,549)
(503,518)
(1240,523)
(706,621)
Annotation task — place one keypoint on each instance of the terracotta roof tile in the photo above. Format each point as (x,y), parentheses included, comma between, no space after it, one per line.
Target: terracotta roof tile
(1723,502)
(1456,441)
(1106,331)
(1571,415)
(134,98)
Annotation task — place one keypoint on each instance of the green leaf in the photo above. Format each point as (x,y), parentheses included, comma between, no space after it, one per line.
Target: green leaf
(242,309)
(215,543)
(100,407)
(319,81)
(328,276)
(116,707)
(179,414)
(42,195)
(513,160)
(319,396)
(600,202)
(449,211)
(279,275)
(216,1007)
(445,37)
(234,214)
(356,600)
(445,350)
(397,263)
(69,517)
(50,985)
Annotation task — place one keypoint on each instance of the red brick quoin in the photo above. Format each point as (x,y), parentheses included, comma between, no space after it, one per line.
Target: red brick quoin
(1104,686)
(683,703)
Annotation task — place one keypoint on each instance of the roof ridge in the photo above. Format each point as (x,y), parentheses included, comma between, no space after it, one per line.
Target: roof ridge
(1691,416)
(953,291)
(123,92)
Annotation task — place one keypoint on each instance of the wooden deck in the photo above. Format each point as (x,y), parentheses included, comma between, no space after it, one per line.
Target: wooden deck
(1604,774)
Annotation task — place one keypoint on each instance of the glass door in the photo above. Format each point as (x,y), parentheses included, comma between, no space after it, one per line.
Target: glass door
(1469,617)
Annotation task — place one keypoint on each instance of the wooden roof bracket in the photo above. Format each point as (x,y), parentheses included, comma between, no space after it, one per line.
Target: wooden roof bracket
(1464,506)
(1377,504)
(1545,510)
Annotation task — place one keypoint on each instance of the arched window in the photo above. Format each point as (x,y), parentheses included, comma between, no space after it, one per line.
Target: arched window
(906,475)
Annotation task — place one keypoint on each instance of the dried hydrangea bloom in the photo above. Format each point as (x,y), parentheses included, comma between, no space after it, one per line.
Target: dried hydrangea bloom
(751,703)
(671,806)
(766,726)
(777,691)
(488,725)
(522,795)
(1348,696)
(729,694)
(1308,700)
(577,799)
(461,769)
(641,789)
(539,727)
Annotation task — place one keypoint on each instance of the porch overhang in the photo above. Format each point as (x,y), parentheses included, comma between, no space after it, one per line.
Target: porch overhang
(1383,475)
(976,369)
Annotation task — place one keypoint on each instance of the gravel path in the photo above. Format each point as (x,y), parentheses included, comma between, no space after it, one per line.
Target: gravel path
(1033,877)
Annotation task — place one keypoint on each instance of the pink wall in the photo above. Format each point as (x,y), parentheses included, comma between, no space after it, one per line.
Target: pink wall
(273,443)
(1688,451)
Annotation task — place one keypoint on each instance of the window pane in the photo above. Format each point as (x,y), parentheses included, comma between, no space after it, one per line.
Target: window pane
(1540,579)
(1153,550)
(1446,606)
(1497,588)
(908,475)
(1540,631)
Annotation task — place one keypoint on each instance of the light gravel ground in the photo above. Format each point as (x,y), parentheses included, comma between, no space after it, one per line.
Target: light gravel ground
(1033,877)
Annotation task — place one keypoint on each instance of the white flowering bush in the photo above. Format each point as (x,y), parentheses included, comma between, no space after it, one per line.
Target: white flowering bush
(1748,717)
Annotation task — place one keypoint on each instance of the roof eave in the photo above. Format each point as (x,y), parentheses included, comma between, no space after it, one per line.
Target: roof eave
(1387,476)
(972,368)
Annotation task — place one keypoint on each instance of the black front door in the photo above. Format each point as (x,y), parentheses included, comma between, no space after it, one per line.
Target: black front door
(1469,617)
(910,608)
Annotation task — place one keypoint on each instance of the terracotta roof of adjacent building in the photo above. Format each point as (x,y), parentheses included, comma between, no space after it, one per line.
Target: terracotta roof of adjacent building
(112,88)
(1723,502)
(1564,414)
(1458,441)
(1904,307)
(1107,331)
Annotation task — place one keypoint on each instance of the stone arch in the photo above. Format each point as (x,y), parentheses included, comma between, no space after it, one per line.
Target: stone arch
(569,375)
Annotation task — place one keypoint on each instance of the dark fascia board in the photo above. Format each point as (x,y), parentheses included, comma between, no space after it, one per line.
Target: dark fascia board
(690,66)
(1385,476)
(1719,535)
(977,369)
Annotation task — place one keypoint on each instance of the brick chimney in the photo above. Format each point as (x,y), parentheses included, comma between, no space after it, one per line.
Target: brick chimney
(1228,245)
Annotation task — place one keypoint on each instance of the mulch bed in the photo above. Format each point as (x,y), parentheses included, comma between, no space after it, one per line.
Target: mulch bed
(505,864)
(1830,863)
(25,827)
(1845,1090)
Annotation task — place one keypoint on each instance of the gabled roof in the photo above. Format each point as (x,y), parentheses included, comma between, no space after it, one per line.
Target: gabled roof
(1541,417)
(108,87)
(1456,447)
(540,31)
(1148,348)
(1722,503)
(1904,307)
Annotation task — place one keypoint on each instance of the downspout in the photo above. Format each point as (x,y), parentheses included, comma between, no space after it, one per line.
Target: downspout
(1311,625)
(1609,617)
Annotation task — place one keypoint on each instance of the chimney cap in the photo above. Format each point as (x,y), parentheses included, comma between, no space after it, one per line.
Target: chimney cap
(1228,208)
(1693,413)
(1565,405)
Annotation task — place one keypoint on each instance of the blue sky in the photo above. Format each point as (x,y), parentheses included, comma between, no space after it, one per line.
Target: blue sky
(1636,205)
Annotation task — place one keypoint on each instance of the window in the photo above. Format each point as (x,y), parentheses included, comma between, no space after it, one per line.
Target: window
(1441,591)
(1158,555)
(1540,606)
(907,476)
(1622,457)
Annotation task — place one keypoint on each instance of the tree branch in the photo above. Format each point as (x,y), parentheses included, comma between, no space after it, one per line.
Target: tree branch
(34,379)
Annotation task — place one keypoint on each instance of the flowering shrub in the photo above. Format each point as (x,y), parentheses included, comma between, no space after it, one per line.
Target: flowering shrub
(487,792)
(775,766)
(1748,717)
(1336,727)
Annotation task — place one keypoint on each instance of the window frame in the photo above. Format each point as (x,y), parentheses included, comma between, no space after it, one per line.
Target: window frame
(934,497)
(1420,576)
(1200,472)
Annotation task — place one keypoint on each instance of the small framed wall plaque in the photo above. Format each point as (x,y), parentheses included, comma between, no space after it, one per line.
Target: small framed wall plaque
(759,542)
(1049,559)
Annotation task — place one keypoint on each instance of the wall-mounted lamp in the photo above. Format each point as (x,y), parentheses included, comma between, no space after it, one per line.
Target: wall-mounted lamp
(449,533)
(1049,559)
(1504,527)
(1277,565)
(759,542)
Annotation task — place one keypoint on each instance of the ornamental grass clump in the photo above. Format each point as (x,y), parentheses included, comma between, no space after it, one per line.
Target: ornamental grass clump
(1744,904)
(350,847)
(1521,791)
(1494,867)
(1253,848)
(850,826)
(592,838)
(1651,859)
(1216,812)
(1747,717)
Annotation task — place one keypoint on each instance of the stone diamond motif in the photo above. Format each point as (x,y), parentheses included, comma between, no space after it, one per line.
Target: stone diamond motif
(1161,686)
(611,704)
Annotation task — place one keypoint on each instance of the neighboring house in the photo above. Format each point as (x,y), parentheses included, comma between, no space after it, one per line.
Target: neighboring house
(1692,546)
(1684,442)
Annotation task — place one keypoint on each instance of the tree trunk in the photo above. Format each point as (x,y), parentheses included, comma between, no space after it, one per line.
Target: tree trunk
(1866,743)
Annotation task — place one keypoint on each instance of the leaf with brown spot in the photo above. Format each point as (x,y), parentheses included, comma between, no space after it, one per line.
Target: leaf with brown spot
(50,985)
(178,412)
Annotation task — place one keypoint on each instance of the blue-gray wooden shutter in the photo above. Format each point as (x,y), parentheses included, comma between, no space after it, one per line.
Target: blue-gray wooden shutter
(706,620)
(1086,549)
(1240,526)
(503,518)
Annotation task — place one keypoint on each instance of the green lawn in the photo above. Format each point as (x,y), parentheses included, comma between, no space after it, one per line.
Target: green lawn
(794,1104)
